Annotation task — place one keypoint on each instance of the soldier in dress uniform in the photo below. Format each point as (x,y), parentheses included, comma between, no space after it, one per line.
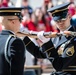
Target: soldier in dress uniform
(61,52)
(12,48)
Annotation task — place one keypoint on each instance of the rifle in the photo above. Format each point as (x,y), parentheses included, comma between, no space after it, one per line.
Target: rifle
(33,34)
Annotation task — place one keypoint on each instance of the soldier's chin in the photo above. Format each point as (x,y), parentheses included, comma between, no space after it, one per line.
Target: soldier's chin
(61,28)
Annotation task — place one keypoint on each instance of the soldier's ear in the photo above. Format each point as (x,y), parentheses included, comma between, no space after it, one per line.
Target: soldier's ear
(70,16)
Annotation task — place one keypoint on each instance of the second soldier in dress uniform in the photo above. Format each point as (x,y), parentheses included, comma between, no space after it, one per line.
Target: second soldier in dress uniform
(12,48)
(62,53)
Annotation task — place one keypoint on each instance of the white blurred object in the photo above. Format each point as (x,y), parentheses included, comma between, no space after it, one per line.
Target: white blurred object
(40,35)
(29,56)
(23,29)
(1,18)
(26,17)
(17,3)
(53,22)
(11,4)
(29,60)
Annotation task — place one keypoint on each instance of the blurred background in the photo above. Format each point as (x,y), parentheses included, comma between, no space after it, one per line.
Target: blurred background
(36,18)
(38,3)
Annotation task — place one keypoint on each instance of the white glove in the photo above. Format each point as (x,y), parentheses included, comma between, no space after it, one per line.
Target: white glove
(41,37)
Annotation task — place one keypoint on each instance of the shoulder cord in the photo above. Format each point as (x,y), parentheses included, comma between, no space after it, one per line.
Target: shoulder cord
(67,43)
(68,63)
(5,49)
(74,28)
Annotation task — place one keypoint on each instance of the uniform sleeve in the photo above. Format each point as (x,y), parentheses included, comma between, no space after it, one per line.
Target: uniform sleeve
(49,49)
(52,55)
(33,49)
(17,57)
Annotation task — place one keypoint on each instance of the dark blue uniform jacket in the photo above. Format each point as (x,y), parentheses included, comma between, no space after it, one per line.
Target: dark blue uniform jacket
(12,52)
